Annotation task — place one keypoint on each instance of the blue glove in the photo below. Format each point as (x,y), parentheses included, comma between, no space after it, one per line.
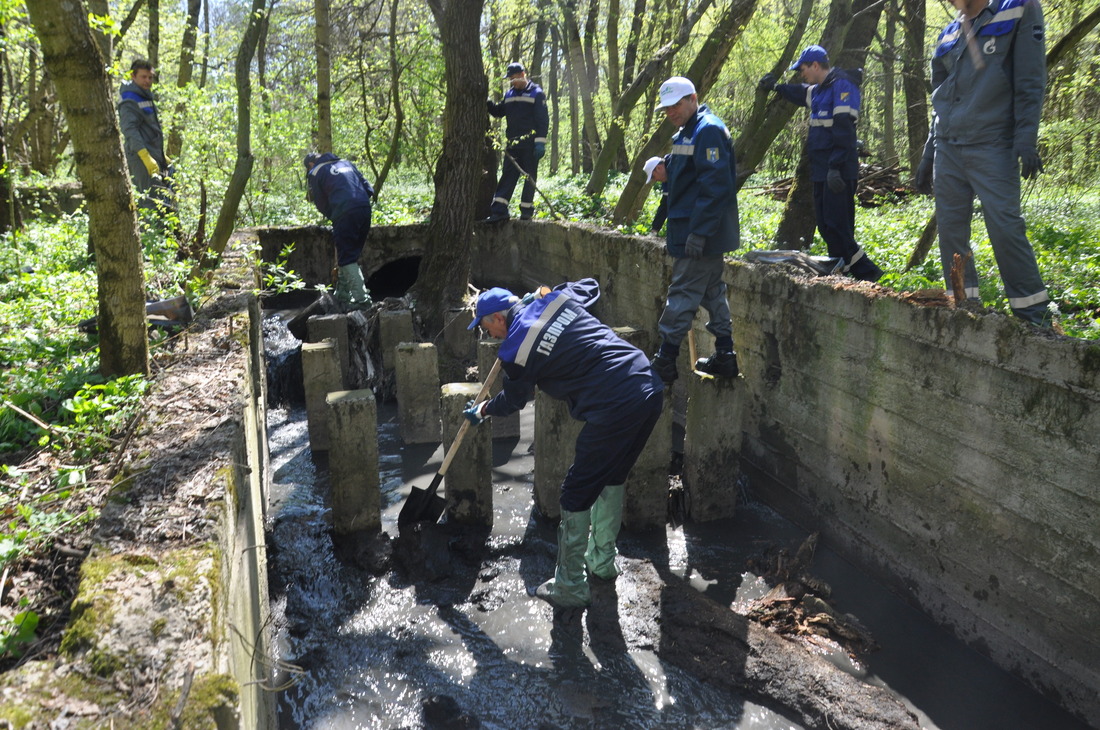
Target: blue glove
(475,412)
(540,150)
(834,181)
(1030,162)
(694,244)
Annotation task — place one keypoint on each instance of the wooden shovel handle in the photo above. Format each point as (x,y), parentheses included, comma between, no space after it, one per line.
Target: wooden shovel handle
(489,380)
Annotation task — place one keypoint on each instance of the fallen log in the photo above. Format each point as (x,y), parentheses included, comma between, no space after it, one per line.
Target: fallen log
(728,650)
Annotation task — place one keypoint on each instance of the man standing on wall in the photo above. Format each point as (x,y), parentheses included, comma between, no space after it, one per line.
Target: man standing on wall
(143,138)
(833,99)
(343,196)
(703,225)
(528,122)
(988,84)
(552,343)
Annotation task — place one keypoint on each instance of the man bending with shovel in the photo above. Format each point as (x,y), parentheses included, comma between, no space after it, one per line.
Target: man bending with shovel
(553,343)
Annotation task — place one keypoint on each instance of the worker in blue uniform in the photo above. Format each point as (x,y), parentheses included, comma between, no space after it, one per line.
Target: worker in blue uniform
(343,195)
(703,225)
(527,124)
(832,96)
(656,171)
(988,84)
(553,343)
(143,140)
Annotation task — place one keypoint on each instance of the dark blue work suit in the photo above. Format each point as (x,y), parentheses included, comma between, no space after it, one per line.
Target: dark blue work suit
(831,145)
(343,196)
(987,98)
(555,344)
(527,122)
(702,200)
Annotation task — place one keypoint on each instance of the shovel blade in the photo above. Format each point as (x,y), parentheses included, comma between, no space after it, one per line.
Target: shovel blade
(423,505)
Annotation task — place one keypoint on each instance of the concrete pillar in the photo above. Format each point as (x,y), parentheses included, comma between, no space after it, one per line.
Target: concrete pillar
(416,366)
(333,326)
(394,327)
(458,341)
(353,462)
(507,427)
(712,445)
(469,479)
(320,376)
(646,502)
(555,444)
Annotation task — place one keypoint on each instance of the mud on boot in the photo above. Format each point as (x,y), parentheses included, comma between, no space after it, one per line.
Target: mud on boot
(557,598)
(720,365)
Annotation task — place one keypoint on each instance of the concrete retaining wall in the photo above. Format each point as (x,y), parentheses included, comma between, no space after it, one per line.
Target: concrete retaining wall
(955,455)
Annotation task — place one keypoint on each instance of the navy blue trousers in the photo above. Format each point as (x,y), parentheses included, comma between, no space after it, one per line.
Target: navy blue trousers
(606,453)
(349,235)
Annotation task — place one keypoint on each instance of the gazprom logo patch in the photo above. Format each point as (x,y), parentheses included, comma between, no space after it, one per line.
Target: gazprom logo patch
(712,154)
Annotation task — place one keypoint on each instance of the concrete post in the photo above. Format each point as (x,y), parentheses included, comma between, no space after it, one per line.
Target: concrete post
(507,427)
(469,479)
(394,327)
(417,371)
(646,502)
(333,326)
(353,462)
(712,445)
(555,444)
(458,341)
(320,376)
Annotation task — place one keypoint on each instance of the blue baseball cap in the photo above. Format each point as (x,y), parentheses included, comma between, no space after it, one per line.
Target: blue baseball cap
(811,54)
(513,69)
(491,301)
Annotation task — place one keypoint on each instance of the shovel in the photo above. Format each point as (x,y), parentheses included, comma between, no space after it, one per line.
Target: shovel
(424,504)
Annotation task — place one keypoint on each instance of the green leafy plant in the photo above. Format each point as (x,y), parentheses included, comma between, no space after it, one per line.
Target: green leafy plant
(18,633)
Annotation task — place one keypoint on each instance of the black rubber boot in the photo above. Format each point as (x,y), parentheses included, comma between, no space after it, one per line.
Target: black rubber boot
(664,366)
(720,365)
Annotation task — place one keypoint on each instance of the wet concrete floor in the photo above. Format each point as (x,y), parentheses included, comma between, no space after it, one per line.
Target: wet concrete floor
(362,651)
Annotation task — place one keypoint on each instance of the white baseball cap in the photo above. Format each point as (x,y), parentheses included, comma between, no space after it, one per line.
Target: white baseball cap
(675,89)
(651,165)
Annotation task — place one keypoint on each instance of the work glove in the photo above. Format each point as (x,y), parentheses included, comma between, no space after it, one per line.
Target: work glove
(834,181)
(766,83)
(540,150)
(150,164)
(475,412)
(694,245)
(923,180)
(1030,162)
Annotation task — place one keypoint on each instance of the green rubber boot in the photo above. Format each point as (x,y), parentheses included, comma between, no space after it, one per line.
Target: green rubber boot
(607,517)
(569,586)
(351,289)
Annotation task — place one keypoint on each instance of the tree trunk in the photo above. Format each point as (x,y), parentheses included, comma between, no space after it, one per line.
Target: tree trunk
(889,58)
(72,57)
(582,86)
(322,46)
(914,83)
(445,267)
(242,170)
(10,215)
(104,40)
(555,104)
(183,78)
(154,33)
(394,145)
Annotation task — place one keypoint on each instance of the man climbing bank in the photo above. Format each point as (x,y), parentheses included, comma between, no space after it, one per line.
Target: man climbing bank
(554,344)
(343,196)
(833,98)
(528,121)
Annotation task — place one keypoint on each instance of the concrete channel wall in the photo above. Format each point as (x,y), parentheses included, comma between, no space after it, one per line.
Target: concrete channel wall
(955,455)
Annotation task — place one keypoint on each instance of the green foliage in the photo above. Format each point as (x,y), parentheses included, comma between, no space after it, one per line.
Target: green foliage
(18,633)
(277,278)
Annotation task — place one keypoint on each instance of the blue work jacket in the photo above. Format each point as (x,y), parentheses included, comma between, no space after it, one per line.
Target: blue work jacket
(834,111)
(555,344)
(525,113)
(336,186)
(702,197)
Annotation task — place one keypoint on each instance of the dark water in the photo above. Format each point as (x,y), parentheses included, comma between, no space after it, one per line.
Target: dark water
(367,649)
